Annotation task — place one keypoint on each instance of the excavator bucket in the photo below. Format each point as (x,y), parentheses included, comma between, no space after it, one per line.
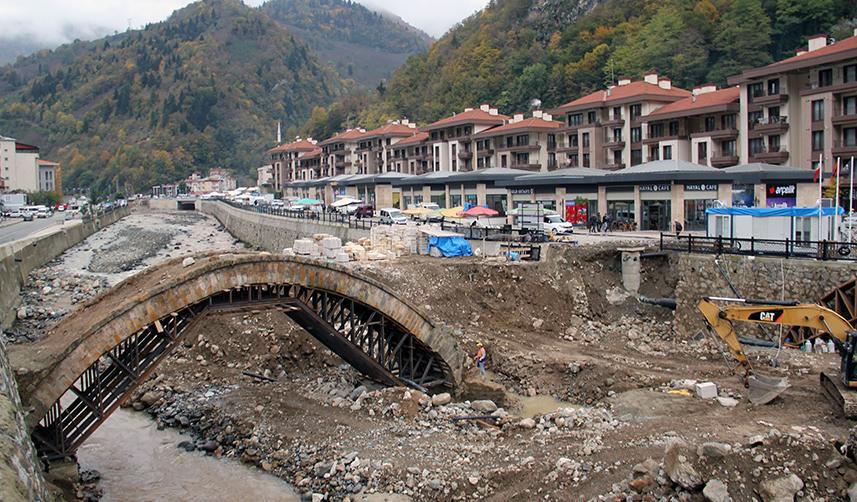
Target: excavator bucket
(764,389)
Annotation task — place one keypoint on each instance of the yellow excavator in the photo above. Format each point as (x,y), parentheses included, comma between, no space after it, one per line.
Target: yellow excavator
(820,320)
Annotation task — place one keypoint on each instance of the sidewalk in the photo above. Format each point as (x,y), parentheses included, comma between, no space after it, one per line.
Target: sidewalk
(8,222)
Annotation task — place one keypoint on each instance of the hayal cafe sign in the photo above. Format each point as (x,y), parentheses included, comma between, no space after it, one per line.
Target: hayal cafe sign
(781,195)
(656,187)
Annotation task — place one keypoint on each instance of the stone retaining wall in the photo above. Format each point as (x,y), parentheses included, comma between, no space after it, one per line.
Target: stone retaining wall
(273,233)
(759,277)
(19,258)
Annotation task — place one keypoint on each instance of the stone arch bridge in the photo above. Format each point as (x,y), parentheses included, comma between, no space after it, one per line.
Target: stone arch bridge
(73,378)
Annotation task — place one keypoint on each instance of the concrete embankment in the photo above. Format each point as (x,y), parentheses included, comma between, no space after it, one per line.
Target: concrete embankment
(19,258)
(273,233)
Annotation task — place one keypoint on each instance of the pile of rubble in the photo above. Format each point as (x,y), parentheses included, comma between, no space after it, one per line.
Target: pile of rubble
(384,243)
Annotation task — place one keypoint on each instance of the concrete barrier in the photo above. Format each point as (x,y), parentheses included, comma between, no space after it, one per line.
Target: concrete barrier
(273,233)
(19,258)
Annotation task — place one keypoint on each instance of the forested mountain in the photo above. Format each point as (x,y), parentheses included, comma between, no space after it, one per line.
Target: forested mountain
(517,51)
(204,88)
(361,44)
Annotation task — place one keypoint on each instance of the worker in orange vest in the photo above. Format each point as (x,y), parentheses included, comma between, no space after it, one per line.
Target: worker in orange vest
(481,356)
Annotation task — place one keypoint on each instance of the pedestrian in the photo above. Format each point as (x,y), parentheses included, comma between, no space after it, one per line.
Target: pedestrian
(605,223)
(481,356)
(597,221)
(678,228)
(819,346)
(831,347)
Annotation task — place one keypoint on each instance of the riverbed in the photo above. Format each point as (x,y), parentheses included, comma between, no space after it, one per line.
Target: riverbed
(141,463)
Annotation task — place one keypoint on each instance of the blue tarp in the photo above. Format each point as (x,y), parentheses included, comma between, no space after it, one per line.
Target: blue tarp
(451,246)
(764,212)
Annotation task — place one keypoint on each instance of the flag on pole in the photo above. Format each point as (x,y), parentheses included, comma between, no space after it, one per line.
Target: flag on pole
(836,171)
(834,178)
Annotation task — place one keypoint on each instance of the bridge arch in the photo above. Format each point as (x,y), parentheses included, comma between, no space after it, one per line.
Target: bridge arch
(89,363)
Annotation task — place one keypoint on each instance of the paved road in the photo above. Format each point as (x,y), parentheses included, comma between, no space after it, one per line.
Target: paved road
(26,228)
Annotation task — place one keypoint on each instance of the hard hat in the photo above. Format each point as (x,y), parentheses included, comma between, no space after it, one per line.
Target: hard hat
(478,344)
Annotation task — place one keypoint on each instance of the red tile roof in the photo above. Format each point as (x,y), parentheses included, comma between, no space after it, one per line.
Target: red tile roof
(475,116)
(296,146)
(417,138)
(391,130)
(833,52)
(312,154)
(637,89)
(530,124)
(43,162)
(700,103)
(349,135)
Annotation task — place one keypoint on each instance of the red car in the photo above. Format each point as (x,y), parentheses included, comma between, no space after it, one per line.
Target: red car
(365,211)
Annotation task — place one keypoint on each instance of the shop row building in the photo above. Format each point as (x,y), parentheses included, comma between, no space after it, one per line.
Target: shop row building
(22,169)
(621,149)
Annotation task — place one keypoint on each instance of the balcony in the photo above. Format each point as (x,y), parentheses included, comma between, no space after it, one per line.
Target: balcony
(567,149)
(533,147)
(613,122)
(844,119)
(574,127)
(771,125)
(614,143)
(837,88)
(724,160)
(527,167)
(730,133)
(770,156)
(614,166)
(465,155)
(769,99)
(842,149)
(485,152)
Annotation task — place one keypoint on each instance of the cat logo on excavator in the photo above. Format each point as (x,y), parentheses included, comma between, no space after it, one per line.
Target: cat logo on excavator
(766,315)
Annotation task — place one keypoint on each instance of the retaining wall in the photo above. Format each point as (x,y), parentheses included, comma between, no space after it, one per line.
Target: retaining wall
(19,258)
(759,277)
(273,233)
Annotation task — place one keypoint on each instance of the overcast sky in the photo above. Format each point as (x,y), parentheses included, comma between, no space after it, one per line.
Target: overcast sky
(58,21)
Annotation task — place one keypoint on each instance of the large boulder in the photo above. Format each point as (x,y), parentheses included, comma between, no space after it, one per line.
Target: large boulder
(678,465)
(780,489)
(716,491)
(484,406)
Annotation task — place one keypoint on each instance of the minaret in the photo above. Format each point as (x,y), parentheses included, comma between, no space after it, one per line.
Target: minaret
(279,133)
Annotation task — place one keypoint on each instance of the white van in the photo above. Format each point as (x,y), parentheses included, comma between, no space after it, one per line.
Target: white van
(392,216)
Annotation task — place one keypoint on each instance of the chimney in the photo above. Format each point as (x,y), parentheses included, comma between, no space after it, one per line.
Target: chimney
(518,117)
(624,80)
(547,116)
(800,52)
(468,110)
(493,111)
(651,77)
(412,126)
(665,83)
(537,114)
(817,42)
(855,32)
(485,108)
(609,91)
(406,122)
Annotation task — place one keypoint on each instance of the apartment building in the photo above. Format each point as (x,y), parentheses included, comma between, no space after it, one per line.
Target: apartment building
(702,129)
(413,155)
(218,180)
(802,108)
(605,129)
(19,165)
(526,144)
(309,165)
(375,148)
(339,153)
(452,141)
(285,161)
(50,176)
(265,178)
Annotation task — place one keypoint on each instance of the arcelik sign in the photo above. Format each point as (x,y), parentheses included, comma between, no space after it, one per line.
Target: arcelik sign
(781,195)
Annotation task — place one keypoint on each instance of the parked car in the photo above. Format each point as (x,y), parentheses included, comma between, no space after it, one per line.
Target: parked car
(43,212)
(14,213)
(555,224)
(364,211)
(392,216)
(27,216)
(434,216)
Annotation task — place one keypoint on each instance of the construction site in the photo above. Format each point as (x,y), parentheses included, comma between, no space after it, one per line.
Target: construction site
(613,370)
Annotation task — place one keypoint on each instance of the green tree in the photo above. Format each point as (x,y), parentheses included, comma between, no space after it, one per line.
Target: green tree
(742,41)
(797,18)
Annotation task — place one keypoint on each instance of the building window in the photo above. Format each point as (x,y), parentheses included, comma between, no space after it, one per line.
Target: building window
(668,152)
(636,134)
(585,140)
(592,117)
(636,157)
(551,160)
(656,130)
(617,134)
(576,119)
(849,136)
(585,160)
(674,128)
(849,105)
(818,110)
(774,143)
(522,159)
(757,145)
(755,91)
(773,87)
(573,140)
(727,121)
(754,117)
(654,153)
(825,77)
(522,140)
(773,114)
(617,113)
(702,151)
(636,111)
(617,157)
(551,141)
(574,160)
(728,147)
(817,141)
(849,73)
(709,124)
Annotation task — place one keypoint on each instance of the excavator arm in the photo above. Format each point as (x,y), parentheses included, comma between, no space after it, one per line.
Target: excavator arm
(816,317)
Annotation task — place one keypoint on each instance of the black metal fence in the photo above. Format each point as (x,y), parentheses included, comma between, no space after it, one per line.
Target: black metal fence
(327,217)
(787,248)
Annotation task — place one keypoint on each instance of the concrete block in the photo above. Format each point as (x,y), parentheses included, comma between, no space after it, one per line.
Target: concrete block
(706,390)
(331,243)
(304,247)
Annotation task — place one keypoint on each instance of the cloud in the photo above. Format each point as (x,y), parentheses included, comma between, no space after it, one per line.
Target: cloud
(60,21)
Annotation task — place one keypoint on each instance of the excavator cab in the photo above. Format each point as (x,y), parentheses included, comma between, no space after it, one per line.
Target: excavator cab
(848,367)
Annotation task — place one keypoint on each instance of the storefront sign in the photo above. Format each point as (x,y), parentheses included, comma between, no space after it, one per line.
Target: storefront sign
(781,195)
(701,187)
(742,196)
(522,191)
(662,187)
(577,212)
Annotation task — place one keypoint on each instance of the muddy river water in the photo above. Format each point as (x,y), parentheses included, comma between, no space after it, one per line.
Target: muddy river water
(139,463)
